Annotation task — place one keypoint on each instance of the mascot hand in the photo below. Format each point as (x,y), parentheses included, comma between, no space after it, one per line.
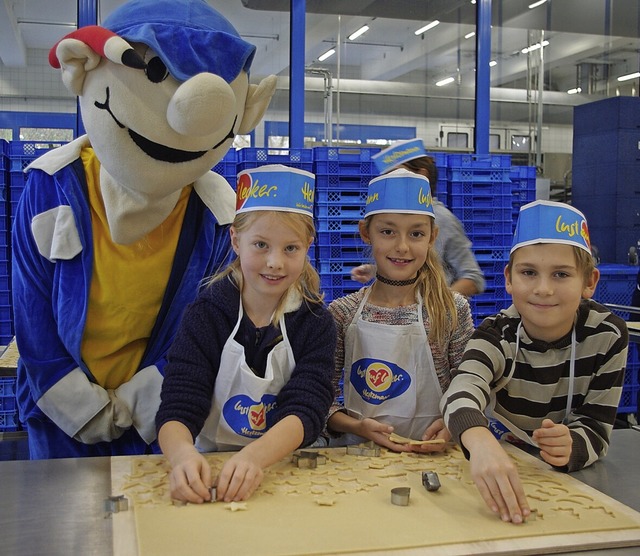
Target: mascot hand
(108,424)
(142,396)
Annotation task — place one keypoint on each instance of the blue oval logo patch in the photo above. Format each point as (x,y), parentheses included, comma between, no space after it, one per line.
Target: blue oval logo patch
(377,381)
(247,417)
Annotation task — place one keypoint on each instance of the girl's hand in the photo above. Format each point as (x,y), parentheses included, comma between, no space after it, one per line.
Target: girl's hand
(190,476)
(379,433)
(435,431)
(555,442)
(239,478)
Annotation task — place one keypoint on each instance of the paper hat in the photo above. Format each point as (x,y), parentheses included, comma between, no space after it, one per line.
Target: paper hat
(397,154)
(275,187)
(399,191)
(551,222)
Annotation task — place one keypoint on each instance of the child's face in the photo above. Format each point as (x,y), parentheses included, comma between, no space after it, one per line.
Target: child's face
(547,286)
(400,243)
(272,256)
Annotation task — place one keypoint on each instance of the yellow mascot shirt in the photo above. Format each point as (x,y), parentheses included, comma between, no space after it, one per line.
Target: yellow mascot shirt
(127,287)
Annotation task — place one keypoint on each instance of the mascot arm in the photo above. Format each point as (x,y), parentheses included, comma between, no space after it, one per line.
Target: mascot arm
(42,314)
(142,396)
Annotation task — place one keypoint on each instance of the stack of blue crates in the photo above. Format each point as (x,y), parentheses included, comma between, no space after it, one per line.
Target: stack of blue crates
(616,285)
(523,188)
(342,177)
(227,167)
(6,316)
(480,195)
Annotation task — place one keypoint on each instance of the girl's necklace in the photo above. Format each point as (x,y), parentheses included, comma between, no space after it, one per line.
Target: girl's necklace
(389,282)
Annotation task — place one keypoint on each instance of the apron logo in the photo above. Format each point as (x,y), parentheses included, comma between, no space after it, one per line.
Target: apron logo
(377,381)
(247,417)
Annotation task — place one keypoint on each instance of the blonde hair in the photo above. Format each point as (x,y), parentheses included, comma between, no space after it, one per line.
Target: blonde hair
(584,262)
(307,286)
(434,289)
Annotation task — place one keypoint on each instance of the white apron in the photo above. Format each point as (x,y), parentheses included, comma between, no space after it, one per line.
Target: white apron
(243,403)
(390,375)
(499,425)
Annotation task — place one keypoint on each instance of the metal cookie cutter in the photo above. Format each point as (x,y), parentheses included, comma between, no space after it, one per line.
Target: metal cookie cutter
(214,494)
(368,449)
(115,504)
(308,459)
(430,480)
(400,496)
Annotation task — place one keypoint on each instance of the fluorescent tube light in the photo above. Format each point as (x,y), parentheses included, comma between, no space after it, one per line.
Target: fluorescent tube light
(629,76)
(533,47)
(536,4)
(353,36)
(326,55)
(427,27)
(493,63)
(445,81)
(469,35)
(574,91)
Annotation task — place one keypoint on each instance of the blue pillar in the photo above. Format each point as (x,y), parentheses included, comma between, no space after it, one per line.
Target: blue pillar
(87,15)
(296,74)
(483,76)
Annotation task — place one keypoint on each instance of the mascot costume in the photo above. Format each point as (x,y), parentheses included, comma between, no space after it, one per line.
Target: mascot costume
(115,231)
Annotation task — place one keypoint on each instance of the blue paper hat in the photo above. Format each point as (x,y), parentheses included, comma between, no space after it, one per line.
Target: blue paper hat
(551,222)
(189,36)
(397,154)
(275,187)
(399,191)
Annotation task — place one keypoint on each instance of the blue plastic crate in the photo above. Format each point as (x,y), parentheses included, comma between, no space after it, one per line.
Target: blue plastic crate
(9,421)
(356,196)
(253,157)
(346,239)
(331,293)
(7,386)
(227,167)
(441,160)
(490,241)
(485,188)
(456,160)
(474,201)
(500,254)
(616,284)
(338,266)
(478,175)
(331,210)
(344,154)
(342,280)
(346,225)
(482,227)
(334,182)
(344,168)
(353,252)
(483,214)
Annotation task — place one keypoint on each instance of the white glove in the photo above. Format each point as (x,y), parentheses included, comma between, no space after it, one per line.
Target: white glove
(142,396)
(108,424)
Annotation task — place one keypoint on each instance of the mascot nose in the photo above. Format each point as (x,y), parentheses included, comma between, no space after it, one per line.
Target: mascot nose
(202,105)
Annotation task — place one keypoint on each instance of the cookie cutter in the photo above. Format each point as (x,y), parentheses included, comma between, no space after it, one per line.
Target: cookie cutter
(430,480)
(400,496)
(115,504)
(367,449)
(213,491)
(305,458)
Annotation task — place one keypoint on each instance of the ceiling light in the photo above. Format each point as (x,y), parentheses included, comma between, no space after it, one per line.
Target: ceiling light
(629,76)
(327,54)
(534,47)
(445,81)
(493,63)
(536,4)
(469,35)
(574,91)
(427,27)
(353,36)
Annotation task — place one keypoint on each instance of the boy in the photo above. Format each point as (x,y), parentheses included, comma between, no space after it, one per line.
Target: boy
(548,370)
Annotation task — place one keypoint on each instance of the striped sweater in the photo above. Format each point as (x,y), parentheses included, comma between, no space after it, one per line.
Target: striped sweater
(538,388)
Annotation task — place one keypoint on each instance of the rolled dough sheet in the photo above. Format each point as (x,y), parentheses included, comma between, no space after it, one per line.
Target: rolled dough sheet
(344,507)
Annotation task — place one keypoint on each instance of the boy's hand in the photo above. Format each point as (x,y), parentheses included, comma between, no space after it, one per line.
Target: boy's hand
(555,442)
(239,478)
(495,475)
(435,431)
(379,433)
(190,476)
(363,273)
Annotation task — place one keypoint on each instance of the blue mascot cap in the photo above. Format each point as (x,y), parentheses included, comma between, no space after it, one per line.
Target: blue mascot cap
(189,36)
(397,154)
(399,191)
(551,222)
(275,187)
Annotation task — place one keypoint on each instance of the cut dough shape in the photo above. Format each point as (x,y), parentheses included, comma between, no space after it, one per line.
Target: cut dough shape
(403,440)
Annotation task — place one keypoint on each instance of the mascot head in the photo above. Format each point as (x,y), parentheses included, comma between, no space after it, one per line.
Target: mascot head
(163,88)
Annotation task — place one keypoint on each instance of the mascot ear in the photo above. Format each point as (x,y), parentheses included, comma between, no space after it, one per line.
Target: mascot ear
(76,59)
(258,98)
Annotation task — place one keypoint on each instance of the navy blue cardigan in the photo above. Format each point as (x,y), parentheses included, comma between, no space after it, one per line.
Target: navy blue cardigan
(194,359)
